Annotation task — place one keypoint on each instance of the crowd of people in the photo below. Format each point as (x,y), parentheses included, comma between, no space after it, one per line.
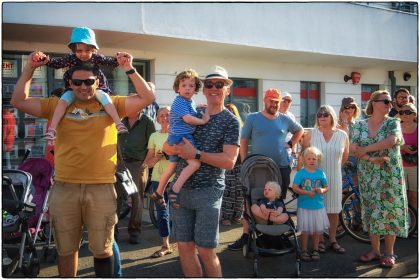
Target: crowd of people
(197,154)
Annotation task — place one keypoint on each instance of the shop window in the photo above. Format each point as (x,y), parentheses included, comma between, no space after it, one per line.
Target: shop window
(309,102)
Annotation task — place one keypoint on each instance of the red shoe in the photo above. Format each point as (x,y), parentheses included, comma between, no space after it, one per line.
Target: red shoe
(388,260)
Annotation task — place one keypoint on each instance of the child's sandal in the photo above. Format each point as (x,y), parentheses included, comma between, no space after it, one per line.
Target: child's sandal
(121,128)
(173,198)
(315,255)
(305,256)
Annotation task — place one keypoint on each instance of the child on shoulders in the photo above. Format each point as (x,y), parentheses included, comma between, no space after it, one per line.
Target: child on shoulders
(84,49)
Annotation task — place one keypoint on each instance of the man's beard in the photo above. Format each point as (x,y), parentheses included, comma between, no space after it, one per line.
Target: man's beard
(272,110)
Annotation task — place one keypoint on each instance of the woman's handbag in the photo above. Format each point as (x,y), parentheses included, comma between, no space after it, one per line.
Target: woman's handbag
(124,185)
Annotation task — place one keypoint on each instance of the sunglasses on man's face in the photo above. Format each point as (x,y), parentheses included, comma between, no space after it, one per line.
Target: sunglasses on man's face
(323,115)
(350,107)
(87,82)
(385,101)
(210,85)
(406,112)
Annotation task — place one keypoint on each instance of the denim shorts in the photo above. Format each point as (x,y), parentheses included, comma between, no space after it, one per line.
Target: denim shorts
(175,139)
(197,219)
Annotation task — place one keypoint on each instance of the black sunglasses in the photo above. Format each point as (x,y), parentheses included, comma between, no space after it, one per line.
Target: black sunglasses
(350,107)
(218,85)
(325,115)
(87,82)
(385,101)
(406,112)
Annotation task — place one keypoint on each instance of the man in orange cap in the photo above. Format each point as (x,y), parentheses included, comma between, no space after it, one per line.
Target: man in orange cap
(268,130)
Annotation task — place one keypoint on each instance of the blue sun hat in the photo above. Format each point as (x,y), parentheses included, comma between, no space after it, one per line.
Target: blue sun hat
(83,35)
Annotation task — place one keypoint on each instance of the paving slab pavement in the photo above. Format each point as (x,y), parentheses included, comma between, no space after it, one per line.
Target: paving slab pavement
(137,263)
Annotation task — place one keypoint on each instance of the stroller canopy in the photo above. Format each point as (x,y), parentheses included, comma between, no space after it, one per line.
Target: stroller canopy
(256,171)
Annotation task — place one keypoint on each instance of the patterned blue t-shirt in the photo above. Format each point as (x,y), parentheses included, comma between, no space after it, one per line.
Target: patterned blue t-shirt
(222,129)
(309,181)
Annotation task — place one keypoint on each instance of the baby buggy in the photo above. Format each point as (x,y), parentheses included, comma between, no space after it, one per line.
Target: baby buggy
(265,239)
(24,196)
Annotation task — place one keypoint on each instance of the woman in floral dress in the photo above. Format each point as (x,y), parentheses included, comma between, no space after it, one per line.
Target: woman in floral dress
(376,142)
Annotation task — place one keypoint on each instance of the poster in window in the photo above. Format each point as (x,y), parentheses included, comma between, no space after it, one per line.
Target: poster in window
(9,67)
(7,89)
(37,90)
(39,72)
(58,73)
(35,130)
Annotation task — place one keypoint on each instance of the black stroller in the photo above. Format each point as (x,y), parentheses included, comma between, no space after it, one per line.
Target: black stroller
(18,248)
(265,239)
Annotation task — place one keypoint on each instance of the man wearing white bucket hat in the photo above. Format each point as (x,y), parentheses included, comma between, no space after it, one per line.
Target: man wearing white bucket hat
(195,224)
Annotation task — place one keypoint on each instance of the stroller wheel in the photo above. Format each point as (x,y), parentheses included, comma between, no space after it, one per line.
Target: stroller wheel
(297,272)
(8,270)
(32,270)
(245,250)
(49,254)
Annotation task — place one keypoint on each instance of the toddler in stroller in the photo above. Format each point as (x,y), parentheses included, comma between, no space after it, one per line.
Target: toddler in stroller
(271,231)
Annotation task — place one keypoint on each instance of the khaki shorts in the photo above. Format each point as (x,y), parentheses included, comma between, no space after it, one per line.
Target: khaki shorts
(410,175)
(74,205)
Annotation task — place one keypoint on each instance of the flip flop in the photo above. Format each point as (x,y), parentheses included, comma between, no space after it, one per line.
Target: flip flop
(370,256)
(162,252)
(388,260)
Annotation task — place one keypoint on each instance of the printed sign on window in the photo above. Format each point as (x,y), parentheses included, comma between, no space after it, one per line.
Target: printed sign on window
(9,67)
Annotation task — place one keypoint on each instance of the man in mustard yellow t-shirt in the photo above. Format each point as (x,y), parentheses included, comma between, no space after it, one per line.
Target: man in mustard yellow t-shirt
(85,161)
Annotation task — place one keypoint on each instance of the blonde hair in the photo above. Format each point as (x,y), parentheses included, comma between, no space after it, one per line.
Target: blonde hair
(375,96)
(330,110)
(187,74)
(316,152)
(275,186)
(232,108)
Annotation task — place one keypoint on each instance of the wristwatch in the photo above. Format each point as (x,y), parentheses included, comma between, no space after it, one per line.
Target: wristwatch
(131,71)
(198,155)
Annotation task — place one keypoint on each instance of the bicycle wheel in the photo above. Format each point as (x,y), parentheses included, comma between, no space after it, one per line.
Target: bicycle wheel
(339,233)
(125,209)
(412,220)
(152,208)
(351,218)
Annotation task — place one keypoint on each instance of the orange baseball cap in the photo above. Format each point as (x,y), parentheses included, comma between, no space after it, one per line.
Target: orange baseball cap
(272,94)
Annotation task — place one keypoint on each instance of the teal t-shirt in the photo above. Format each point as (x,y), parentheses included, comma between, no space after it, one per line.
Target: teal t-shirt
(308,181)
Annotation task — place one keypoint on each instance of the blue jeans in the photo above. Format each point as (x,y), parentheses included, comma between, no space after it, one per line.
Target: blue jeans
(162,213)
(117,260)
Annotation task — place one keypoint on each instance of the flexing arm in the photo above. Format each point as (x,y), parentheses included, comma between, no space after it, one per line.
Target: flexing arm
(20,97)
(145,91)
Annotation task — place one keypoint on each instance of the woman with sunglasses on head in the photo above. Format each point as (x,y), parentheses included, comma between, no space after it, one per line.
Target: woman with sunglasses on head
(376,142)
(349,113)
(409,127)
(334,144)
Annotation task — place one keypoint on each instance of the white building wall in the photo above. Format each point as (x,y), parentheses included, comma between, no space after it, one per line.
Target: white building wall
(346,29)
